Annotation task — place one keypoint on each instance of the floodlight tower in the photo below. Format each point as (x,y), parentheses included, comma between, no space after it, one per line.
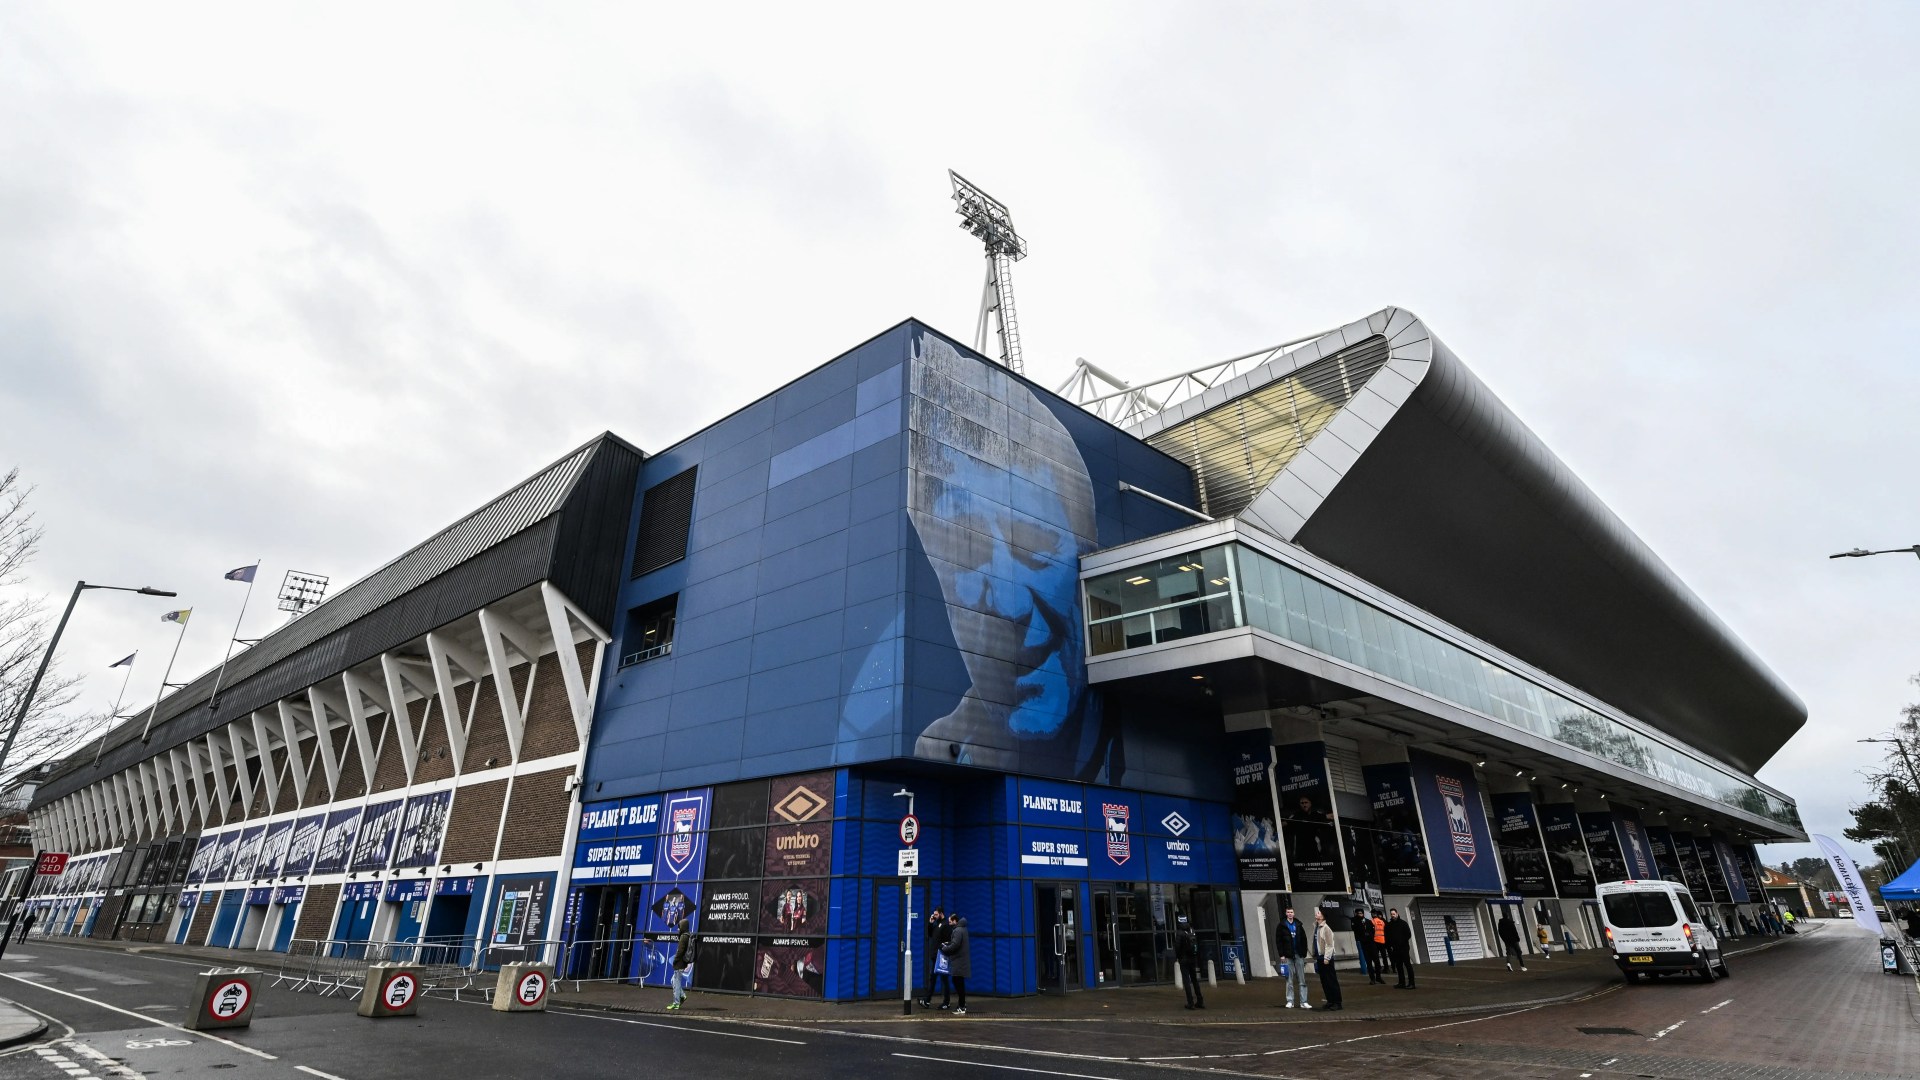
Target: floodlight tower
(988,219)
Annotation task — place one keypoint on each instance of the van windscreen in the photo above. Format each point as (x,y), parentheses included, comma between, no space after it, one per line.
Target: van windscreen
(1632,910)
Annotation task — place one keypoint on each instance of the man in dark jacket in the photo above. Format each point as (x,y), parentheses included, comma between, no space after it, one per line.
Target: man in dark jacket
(1186,953)
(959,953)
(1292,944)
(1400,949)
(1510,942)
(682,962)
(937,930)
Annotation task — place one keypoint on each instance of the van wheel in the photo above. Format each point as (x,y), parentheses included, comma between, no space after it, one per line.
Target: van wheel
(1705,971)
(1631,977)
(1723,969)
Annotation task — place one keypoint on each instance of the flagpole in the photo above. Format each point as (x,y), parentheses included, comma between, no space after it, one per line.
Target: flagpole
(115,714)
(145,731)
(214,697)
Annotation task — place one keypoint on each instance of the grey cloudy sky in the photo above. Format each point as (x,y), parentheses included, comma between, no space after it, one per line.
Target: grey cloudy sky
(307,285)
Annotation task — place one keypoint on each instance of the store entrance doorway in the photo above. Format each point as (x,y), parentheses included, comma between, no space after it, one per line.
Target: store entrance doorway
(1056,926)
(1123,929)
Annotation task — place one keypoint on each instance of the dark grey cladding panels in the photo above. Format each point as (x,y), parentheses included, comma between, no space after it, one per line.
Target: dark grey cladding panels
(1455,505)
(565,524)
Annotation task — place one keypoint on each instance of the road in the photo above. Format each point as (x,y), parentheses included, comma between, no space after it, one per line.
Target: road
(1811,1007)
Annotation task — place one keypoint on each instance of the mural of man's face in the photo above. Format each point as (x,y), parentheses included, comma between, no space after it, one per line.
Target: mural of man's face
(1003,507)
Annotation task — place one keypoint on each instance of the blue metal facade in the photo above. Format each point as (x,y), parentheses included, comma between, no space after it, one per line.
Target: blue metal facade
(881,580)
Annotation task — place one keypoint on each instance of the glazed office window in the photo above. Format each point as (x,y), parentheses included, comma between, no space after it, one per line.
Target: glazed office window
(1228,586)
(649,631)
(666,513)
(1178,597)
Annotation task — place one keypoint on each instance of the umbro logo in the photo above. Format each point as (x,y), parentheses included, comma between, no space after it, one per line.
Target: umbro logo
(801,805)
(1176,824)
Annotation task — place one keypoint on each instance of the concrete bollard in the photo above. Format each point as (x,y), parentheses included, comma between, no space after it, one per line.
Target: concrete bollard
(223,999)
(1178,982)
(391,990)
(522,988)
(1212,983)
(1239,969)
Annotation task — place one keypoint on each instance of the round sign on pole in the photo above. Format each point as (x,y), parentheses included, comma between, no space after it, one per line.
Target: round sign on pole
(909,829)
(398,991)
(229,999)
(531,988)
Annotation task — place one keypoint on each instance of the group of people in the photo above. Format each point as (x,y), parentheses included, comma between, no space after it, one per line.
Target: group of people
(1294,942)
(949,960)
(1384,943)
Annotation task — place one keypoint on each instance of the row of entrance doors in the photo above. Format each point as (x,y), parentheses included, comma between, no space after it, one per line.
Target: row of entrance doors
(1120,933)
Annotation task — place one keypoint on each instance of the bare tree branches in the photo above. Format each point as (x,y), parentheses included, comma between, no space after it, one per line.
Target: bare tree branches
(24,626)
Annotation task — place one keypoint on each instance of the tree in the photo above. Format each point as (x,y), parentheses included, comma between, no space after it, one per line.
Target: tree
(24,627)
(1891,821)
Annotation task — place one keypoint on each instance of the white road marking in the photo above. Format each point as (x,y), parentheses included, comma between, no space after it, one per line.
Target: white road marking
(22,978)
(1010,1068)
(1722,1005)
(1664,1032)
(680,1027)
(316,1072)
(35,1047)
(99,976)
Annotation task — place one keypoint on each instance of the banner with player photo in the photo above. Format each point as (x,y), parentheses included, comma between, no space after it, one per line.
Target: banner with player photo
(336,842)
(1523,855)
(1397,838)
(421,828)
(1603,846)
(1256,828)
(1660,841)
(1567,854)
(1309,825)
(304,845)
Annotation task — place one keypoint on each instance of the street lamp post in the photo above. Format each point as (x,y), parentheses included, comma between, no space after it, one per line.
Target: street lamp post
(26,703)
(1861,553)
(906,936)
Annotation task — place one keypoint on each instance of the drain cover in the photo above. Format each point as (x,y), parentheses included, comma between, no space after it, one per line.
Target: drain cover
(1607,1031)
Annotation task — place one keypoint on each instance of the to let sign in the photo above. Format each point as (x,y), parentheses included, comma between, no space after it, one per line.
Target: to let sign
(51,864)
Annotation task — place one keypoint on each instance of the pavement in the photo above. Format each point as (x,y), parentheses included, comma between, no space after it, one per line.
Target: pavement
(17,1025)
(1810,1007)
(1442,990)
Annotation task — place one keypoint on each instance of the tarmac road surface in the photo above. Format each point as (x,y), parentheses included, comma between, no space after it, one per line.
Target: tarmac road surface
(1812,1006)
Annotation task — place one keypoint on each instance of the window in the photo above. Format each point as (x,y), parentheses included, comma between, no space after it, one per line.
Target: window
(649,631)
(1635,910)
(1686,905)
(666,512)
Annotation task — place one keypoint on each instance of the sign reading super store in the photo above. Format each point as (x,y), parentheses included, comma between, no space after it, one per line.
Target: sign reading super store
(790,881)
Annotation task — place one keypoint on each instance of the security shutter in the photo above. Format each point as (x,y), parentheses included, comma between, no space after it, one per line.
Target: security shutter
(666,512)
(1343,770)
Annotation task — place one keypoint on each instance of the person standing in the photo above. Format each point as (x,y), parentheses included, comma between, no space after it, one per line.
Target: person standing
(1378,957)
(1363,942)
(1291,948)
(26,927)
(1546,940)
(958,949)
(1323,962)
(937,930)
(1510,941)
(1399,937)
(1186,953)
(682,961)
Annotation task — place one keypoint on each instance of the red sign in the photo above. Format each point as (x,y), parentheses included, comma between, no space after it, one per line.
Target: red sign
(909,830)
(51,864)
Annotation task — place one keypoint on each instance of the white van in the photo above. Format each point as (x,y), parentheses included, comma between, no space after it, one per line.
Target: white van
(1653,928)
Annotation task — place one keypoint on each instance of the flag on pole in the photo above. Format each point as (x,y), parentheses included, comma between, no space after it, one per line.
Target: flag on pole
(124,663)
(1851,884)
(177,616)
(244,573)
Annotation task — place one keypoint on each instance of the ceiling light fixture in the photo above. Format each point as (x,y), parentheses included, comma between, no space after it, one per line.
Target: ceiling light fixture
(1138,580)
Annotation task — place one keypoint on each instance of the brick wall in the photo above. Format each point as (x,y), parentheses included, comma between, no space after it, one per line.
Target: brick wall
(475,820)
(390,771)
(203,918)
(550,727)
(316,912)
(436,758)
(287,794)
(488,739)
(353,781)
(537,816)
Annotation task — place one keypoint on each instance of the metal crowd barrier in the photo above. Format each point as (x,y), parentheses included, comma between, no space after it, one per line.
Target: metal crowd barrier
(624,959)
(447,965)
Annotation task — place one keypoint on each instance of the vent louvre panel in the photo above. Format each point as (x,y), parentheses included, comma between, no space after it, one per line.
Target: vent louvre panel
(666,514)
(1238,447)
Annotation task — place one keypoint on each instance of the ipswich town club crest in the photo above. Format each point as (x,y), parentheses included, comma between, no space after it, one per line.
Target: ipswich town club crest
(1119,842)
(683,817)
(1454,795)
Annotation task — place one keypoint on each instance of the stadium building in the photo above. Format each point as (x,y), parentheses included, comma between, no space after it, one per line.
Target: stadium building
(1336,631)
